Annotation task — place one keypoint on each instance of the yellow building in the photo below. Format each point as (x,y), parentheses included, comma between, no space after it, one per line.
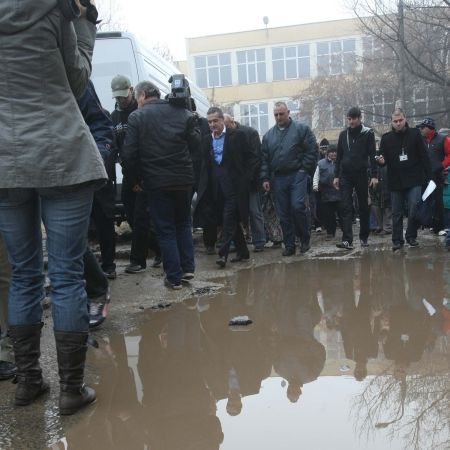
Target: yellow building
(247,72)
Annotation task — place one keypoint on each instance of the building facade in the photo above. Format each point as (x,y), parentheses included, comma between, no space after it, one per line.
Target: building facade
(247,72)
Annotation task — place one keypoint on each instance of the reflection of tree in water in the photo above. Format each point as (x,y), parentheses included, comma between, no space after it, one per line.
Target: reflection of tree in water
(417,409)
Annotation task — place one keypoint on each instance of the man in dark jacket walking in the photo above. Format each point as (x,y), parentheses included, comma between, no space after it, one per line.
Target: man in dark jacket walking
(355,154)
(134,199)
(160,140)
(408,167)
(289,159)
(229,166)
(255,206)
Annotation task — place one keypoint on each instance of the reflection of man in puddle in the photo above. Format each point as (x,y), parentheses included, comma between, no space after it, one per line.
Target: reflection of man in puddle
(241,355)
(179,410)
(410,324)
(359,329)
(299,357)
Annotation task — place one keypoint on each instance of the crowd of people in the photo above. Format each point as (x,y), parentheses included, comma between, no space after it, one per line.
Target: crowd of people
(179,171)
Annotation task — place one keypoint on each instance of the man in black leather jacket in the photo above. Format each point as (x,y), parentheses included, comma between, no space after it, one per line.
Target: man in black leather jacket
(160,141)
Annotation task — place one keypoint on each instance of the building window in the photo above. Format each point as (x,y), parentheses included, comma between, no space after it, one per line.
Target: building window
(213,70)
(298,112)
(255,115)
(378,107)
(375,50)
(291,62)
(331,116)
(425,101)
(251,66)
(336,57)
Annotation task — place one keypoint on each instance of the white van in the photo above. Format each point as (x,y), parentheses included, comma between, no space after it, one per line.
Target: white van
(119,53)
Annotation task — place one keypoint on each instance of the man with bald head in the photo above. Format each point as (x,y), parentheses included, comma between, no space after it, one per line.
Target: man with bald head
(289,158)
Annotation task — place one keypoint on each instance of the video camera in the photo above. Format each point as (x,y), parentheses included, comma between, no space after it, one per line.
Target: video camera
(180,94)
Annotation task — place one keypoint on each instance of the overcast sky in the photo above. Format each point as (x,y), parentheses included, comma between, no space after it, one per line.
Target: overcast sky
(170,22)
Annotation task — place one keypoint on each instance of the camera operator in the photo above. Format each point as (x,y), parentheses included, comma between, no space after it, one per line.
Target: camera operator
(160,141)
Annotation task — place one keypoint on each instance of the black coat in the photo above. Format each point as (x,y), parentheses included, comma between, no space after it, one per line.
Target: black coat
(159,145)
(355,152)
(242,164)
(416,171)
(254,141)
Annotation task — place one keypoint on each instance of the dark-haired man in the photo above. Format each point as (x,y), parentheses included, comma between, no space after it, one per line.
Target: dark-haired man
(355,155)
(229,167)
(408,166)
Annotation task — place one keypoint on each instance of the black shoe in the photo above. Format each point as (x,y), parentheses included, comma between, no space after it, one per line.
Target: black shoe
(26,343)
(239,258)
(288,252)
(221,262)
(157,261)
(210,250)
(98,310)
(134,268)
(305,246)
(71,348)
(397,246)
(259,249)
(187,276)
(7,370)
(412,242)
(175,285)
(364,243)
(345,245)
(110,274)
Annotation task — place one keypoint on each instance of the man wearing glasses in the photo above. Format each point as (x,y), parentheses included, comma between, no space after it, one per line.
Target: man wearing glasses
(289,158)
(355,155)
(408,166)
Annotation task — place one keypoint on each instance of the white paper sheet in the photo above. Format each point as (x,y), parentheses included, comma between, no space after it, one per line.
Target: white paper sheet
(429,190)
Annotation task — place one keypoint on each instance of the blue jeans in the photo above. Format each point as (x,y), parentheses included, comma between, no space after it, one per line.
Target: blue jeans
(171,214)
(291,203)
(65,213)
(256,219)
(398,198)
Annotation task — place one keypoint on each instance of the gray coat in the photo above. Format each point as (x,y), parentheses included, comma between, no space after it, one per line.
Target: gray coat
(45,62)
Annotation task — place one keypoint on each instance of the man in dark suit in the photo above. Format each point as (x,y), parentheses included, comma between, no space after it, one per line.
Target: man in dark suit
(229,166)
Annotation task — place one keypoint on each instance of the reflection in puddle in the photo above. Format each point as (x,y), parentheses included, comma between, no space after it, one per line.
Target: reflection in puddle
(340,354)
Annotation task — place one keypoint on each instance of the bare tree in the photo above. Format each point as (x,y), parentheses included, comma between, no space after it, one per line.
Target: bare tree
(111,14)
(164,51)
(417,33)
(416,408)
(328,99)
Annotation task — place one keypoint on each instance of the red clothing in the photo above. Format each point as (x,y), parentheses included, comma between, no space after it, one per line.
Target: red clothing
(446,160)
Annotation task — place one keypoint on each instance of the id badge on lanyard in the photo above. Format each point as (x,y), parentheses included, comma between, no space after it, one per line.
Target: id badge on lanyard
(404,156)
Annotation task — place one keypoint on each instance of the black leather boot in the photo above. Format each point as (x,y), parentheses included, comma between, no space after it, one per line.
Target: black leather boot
(71,350)
(26,341)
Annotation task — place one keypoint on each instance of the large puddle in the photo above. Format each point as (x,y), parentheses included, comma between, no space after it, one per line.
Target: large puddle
(348,354)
